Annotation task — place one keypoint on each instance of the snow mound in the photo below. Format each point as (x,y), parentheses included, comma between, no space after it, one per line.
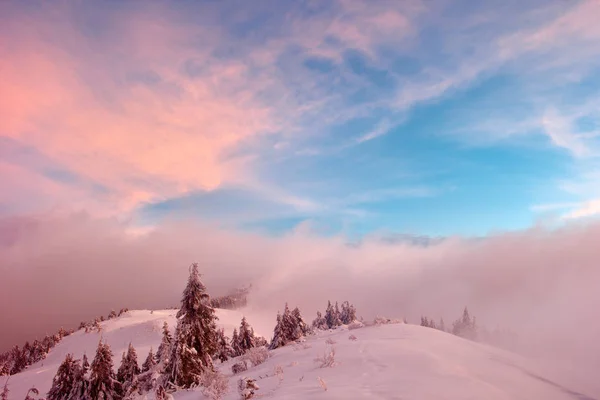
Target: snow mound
(395,361)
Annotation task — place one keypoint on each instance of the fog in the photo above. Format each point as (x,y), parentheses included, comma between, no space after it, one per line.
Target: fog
(58,270)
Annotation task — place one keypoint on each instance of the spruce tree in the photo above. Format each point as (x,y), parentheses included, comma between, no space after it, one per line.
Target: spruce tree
(195,340)
(103,382)
(246,336)
(235,343)
(81,383)
(302,328)
(278,335)
(331,316)
(164,349)
(64,380)
(85,364)
(348,314)
(150,361)
(129,367)
(320,322)
(225,350)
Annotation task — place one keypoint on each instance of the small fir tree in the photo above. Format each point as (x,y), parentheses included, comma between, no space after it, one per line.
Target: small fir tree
(302,328)
(235,343)
(129,368)
(331,316)
(246,336)
(164,349)
(320,322)
(278,335)
(225,350)
(150,361)
(348,314)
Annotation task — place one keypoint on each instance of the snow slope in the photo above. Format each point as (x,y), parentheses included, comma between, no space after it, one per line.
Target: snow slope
(384,362)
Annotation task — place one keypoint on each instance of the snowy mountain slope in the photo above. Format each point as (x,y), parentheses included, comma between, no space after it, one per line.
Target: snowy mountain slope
(403,362)
(142,328)
(384,362)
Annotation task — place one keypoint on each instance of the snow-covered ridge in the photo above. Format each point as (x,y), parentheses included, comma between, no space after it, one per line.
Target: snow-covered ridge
(396,361)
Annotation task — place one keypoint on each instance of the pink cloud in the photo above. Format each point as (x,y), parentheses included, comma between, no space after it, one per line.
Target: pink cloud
(67,95)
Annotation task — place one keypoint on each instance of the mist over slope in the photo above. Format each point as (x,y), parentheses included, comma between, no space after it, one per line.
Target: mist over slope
(395,361)
(57,270)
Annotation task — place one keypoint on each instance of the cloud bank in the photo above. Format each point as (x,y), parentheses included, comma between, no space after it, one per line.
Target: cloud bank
(57,270)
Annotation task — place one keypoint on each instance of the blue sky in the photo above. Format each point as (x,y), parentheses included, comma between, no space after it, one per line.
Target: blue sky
(347,117)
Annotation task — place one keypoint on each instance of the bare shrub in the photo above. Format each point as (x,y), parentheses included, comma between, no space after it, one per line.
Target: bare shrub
(327,360)
(355,325)
(247,388)
(239,367)
(279,373)
(322,383)
(378,320)
(214,384)
(352,337)
(330,341)
(256,355)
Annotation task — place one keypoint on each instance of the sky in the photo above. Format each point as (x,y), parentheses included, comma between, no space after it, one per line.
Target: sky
(412,157)
(426,117)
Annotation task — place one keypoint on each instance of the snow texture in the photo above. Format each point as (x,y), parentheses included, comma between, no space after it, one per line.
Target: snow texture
(391,361)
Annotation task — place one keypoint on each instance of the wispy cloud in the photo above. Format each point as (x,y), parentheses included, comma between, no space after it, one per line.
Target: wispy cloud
(382,128)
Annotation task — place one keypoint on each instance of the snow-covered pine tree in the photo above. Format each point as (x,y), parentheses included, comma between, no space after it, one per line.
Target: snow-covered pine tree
(331,316)
(18,360)
(278,335)
(320,322)
(103,382)
(85,364)
(128,369)
(81,383)
(64,380)
(164,349)
(441,325)
(150,361)
(246,336)
(235,343)
(195,340)
(348,314)
(302,327)
(225,350)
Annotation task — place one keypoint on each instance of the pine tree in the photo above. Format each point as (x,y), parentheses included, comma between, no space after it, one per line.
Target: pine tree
(320,322)
(441,325)
(465,326)
(225,350)
(348,314)
(64,380)
(150,361)
(235,343)
(278,335)
(85,364)
(103,383)
(18,360)
(164,349)
(81,383)
(331,316)
(302,328)
(129,368)
(246,336)
(195,340)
